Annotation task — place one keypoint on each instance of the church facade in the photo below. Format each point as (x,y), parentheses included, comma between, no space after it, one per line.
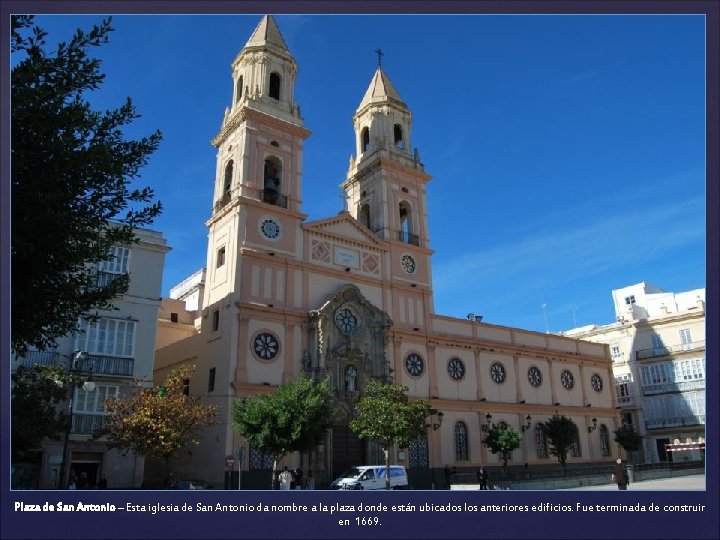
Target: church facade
(351,297)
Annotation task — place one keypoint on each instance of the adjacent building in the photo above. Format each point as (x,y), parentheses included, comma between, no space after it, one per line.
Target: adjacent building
(657,345)
(115,353)
(351,297)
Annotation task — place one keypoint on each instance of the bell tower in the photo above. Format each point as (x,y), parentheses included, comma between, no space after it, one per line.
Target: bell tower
(257,195)
(385,183)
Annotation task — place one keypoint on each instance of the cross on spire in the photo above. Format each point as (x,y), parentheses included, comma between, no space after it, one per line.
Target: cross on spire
(380,54)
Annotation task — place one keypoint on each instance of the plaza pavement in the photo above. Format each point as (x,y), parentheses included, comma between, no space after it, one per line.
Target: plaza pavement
(695,482)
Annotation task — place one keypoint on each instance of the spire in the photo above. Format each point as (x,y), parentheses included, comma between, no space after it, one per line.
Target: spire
(267,33)
(381,90)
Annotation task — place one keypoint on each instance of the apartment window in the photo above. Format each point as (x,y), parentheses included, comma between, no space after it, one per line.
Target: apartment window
(89,408)
(657,341)
(615,352)
(216,320)
(630,300)
(118,262)
(110,337)
(174,317)
(686,339)
(211,380)
(220,259)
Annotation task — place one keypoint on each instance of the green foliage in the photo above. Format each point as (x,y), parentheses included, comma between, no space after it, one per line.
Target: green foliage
(629,439)
(386,415)
(561,433)
(502,439)
(36,395)
(293,418)
(158,421)
(70,180)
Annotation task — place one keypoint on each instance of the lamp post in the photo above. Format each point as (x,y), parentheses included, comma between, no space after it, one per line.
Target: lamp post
(435,425)
(593,427)
(88,386)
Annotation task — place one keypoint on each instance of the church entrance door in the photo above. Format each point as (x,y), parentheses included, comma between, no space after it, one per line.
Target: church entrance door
(348,450)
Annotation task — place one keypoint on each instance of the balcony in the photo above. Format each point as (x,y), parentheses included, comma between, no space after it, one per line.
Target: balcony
(87,424)
(675,421)
(629,402)
(658,352)
(91,363)
(409,238)
(677,386)
(271,196)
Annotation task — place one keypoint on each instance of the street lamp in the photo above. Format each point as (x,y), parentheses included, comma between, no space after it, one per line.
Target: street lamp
(88,386)
(528,420)
(435,425)
(593,427)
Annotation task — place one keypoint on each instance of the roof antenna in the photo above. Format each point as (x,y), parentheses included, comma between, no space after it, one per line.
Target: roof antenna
(380,54)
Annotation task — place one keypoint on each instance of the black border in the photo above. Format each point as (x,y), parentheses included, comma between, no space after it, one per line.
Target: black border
(540,524)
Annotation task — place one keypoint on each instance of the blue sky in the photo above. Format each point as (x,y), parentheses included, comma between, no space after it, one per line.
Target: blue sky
(567,152)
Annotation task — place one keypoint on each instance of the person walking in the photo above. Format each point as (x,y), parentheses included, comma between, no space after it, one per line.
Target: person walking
(620,475)
(310,481)
(285,478)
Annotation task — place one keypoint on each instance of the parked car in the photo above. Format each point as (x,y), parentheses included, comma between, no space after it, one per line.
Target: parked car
(193,484)
(371,477)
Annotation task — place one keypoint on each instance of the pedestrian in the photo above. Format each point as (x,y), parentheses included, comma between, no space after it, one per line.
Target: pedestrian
(310,482)
(620,475)
(527,471)
(285,478)
(483,478)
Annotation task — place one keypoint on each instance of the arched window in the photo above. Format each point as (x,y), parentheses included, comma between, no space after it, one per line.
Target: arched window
(398,136)
(604,440)
(364,215)
(365,137)
(239,89)
(272,174)
(274,90)
(406,229)
(541,441)
(418,453)
(575,449)
(461,442)
(227,185)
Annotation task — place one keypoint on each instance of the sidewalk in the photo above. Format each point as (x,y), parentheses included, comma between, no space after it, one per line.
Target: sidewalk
(695,482)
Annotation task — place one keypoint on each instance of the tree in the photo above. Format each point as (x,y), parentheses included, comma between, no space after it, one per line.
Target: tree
(70,178)
(158,421)
(293,418)
(561,433)
(629,439)
(502,439)
(36,395)
(386,415)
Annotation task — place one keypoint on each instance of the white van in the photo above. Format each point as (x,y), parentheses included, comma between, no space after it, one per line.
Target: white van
(371,477)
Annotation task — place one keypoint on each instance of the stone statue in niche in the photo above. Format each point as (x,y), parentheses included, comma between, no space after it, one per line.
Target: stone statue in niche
(350,379)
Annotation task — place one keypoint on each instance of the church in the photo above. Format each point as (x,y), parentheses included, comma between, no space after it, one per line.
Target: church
(351,297)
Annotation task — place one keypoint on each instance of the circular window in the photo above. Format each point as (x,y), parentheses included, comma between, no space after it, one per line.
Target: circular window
(456,369)
(497,372)
(408,264)
(567,379)
(414,364)
(535,376)
(596,382)
(345,321)
(266,346)
(270,229)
